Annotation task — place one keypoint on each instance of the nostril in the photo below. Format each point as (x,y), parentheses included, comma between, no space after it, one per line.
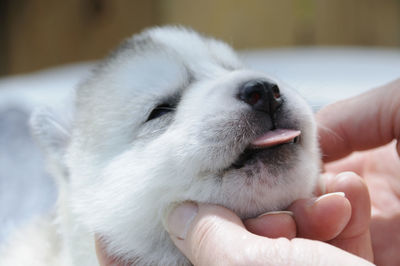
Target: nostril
(275,92)
(261,95)
(252,92)
(253,98)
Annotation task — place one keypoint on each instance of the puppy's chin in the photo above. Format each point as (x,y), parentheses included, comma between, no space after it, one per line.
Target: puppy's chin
(269,179)
(257,187)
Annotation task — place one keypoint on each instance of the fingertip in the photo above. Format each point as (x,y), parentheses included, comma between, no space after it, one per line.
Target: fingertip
(331,213)
(355,237)
(356,191)
(322,218)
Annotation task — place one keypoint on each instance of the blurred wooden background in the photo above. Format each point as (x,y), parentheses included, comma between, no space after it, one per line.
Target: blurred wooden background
(35,34)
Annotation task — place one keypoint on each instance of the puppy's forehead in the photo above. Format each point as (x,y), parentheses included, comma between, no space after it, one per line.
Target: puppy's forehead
(193,50)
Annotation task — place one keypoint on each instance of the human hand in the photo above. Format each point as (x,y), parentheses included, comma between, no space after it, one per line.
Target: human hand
(364,122)
(212,235)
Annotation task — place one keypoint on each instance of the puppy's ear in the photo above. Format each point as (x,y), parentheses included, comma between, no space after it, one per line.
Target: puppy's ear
(52,132)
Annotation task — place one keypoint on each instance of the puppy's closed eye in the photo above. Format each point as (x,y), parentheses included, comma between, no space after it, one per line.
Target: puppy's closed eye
(161,110)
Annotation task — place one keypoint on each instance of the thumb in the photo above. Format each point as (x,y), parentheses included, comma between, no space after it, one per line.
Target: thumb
(212,235)
(199,230)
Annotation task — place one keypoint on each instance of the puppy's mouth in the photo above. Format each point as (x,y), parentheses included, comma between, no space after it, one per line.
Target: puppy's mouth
(264,144)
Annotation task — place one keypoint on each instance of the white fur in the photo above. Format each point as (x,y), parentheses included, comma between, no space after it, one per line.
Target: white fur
(123,173)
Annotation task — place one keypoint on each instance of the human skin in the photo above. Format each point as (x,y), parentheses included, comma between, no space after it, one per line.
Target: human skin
(369,123)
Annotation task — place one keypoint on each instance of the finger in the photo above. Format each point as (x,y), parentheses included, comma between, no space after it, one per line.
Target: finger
(363,122)
(322,218)
(212,235)
(201,230)
(355,237)
(356,192)
(273,225)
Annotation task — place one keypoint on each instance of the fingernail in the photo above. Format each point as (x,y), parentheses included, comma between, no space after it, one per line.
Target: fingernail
(180,218)
(276,212)
(345,174)
(341,194)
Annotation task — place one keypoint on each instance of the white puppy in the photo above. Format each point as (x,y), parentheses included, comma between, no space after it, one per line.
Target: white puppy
(170,116)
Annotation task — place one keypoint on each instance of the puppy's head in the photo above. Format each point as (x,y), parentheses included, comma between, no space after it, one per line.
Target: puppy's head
(174,116)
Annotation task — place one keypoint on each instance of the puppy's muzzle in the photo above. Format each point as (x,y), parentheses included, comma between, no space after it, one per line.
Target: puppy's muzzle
(261,95)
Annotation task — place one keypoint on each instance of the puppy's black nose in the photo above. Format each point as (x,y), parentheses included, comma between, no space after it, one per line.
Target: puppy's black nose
(261,95)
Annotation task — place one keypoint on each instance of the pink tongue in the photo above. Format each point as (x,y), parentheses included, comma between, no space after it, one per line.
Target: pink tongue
(275,137)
